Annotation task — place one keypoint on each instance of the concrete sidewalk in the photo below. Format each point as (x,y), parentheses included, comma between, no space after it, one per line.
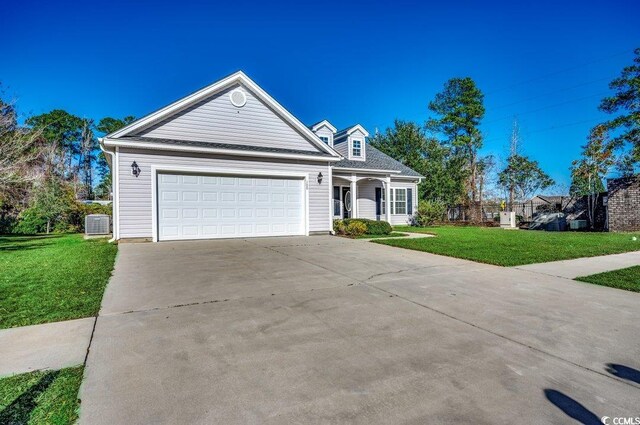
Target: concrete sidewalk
(47,346)
(571,269)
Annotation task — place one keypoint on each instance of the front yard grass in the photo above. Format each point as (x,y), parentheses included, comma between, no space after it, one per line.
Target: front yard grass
(628,279)
(514,247)
(51,278)
(42,397)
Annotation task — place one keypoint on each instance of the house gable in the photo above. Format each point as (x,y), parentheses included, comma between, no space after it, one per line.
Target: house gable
(344,142)
(232,111)
(217,120)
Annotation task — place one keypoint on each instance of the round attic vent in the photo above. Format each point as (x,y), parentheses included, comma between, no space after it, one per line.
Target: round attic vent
(238,98)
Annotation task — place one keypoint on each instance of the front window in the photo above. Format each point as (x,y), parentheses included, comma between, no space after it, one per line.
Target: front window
(324,139)
(400,201)
(357,148)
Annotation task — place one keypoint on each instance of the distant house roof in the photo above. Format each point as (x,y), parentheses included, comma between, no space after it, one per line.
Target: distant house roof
(377,160)
(551,199)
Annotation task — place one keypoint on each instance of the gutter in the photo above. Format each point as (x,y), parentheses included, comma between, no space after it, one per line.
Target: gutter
(216,151)
(114,207)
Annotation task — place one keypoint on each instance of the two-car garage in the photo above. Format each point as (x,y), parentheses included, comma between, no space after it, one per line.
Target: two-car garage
(208,206)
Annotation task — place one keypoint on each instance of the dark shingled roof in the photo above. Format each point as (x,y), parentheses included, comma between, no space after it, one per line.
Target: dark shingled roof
(377,160)
(143,140)
(341,133)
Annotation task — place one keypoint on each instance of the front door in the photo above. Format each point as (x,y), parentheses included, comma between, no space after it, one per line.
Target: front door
(346,202)
(378,203)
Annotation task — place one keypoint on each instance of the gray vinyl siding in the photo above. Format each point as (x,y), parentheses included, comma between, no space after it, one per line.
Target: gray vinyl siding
(325,132)
(135,193)
(400,219)
(217,120)
(367,199)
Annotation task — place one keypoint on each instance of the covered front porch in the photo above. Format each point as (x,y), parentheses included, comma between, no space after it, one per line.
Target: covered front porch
(361,196)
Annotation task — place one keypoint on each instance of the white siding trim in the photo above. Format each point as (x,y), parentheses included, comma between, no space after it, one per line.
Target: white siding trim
(330,175)
(218,151)
(116,194)
(366,170)
(160,168)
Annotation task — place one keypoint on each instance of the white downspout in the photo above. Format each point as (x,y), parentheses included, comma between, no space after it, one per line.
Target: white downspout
(114,207)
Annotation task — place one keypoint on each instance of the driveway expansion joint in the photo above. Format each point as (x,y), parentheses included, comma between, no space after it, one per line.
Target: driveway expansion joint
(393,294)
(528,346)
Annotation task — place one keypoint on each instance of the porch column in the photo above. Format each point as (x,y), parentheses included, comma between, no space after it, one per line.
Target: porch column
(387,197)
(354,197)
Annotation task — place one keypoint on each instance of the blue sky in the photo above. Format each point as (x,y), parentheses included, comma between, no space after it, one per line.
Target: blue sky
(546,62)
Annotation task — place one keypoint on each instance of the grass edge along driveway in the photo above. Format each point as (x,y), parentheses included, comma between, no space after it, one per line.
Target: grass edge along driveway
(52,278)
(628,279)
(513,247)
(41,397)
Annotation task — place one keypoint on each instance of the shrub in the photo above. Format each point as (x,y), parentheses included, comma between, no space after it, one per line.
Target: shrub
(429,212)
(374,227)
(339,227)
(355,228)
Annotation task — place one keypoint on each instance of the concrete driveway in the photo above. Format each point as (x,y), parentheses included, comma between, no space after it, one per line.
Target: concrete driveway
(331,330)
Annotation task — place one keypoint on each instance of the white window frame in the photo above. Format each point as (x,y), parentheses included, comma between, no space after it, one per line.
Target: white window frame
(395,202)
(383,202)
(325,140)
(353,148)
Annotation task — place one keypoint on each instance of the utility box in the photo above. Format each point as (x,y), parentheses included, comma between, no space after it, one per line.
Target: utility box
(96,224)
(508,219)
(578,224)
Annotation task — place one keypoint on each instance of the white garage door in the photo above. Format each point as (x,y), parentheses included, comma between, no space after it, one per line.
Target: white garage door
(209,206)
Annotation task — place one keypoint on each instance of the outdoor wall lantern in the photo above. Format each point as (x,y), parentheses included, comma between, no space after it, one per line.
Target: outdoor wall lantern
(319,178)
(135,170)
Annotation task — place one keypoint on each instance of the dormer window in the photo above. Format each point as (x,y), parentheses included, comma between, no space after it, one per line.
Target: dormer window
(356,149)
(324,139)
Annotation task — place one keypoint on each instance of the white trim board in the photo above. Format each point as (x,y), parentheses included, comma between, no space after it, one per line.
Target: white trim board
(215,151)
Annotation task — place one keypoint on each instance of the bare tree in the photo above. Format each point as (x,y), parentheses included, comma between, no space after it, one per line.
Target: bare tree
(20,155)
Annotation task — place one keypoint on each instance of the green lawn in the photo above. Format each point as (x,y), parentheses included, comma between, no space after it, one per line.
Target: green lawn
(390,235)
(514,247)
(52,278)
(43,397)
(628,279)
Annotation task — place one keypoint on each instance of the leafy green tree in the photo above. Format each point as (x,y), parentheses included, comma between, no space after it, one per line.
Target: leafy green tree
(109,125)
(523,176)
(51,201)
(626,165)
(459,109)
(445,174)
(63,132)
(626,103)
(106,126)
(588,172)
(405,142)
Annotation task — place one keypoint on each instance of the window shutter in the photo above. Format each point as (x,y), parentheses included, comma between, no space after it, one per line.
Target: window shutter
(410,201)
(336,200)
(378,202)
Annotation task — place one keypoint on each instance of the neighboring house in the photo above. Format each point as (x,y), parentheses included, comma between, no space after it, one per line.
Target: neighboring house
(623,204)
(543,203)
(229,161)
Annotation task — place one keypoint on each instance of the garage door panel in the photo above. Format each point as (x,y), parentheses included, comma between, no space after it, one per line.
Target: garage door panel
(208,206)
